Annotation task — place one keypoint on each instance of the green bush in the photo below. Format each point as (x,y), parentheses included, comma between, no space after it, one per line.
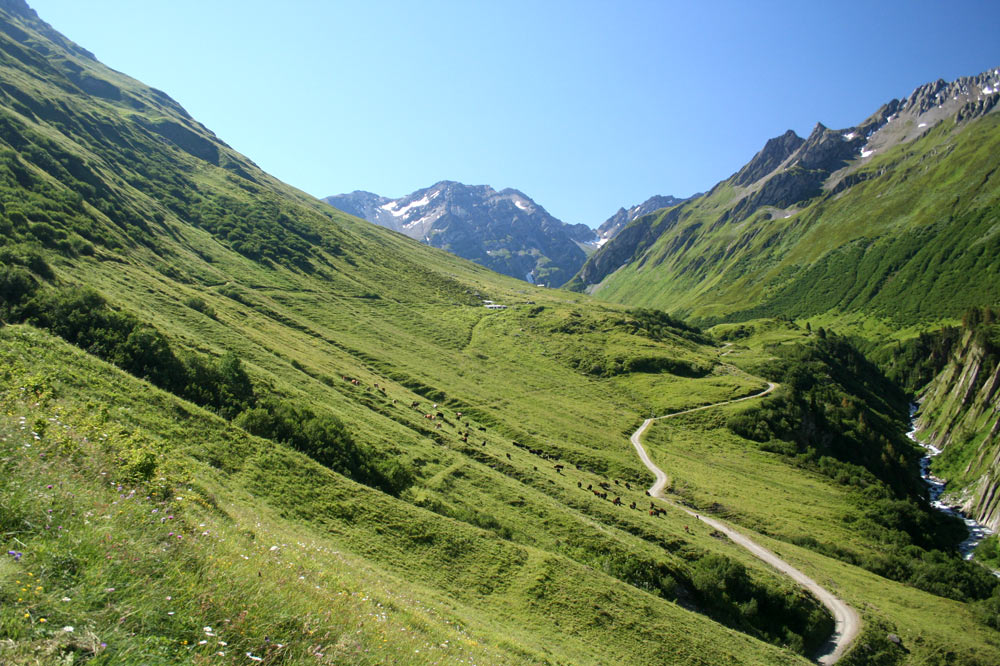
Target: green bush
(326,440)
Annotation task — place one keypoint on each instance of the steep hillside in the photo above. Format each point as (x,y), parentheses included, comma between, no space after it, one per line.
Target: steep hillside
(235,420)
(505,231)
(892,219)
(960,414)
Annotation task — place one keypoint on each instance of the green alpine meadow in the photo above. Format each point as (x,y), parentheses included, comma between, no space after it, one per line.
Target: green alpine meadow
(240,426)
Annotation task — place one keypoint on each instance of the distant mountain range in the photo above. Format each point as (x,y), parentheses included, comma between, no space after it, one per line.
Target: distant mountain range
(505,231)
(880,218)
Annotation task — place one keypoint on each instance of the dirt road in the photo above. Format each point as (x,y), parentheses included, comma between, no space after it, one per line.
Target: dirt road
(848,624)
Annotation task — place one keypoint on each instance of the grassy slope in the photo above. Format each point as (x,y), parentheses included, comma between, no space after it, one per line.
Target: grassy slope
(360,301)
(533,586)
(786,504)
(521,602)
(913,243)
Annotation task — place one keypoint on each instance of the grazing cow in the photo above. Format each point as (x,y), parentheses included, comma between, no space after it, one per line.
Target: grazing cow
(415,404)
(652,506)
(652,512)
(482,429)
(617,501)
(459,414)
(484,442)
(632,505)
(579,484)
(534,467)
(647,494)
(590,486)
(559,469)
(466,439)
(438,426)
(508,456)
(616,482)
(439,415)
(628,486)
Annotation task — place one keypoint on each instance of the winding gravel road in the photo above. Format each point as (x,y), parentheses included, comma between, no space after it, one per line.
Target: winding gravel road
(848,624)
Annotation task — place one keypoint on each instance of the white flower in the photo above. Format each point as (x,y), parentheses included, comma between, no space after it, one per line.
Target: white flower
(68,628)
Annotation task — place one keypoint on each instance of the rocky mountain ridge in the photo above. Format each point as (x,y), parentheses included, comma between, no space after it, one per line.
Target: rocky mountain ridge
(505,231)
(738,227)
(614,224)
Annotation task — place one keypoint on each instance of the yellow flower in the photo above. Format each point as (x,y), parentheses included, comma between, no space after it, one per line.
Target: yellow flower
(41,619)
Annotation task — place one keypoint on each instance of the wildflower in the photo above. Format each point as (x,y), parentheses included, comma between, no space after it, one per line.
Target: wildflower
(253,658)
(68,629)
(66,599)
(15,554)
(207,630)
(42,619)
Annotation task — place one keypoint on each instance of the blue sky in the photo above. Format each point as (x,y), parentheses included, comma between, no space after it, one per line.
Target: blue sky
(583,106)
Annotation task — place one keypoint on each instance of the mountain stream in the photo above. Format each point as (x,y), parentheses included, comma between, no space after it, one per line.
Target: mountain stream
(936,487)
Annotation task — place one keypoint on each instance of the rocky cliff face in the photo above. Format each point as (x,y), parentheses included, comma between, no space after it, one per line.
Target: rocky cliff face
(505,231)
(960,414)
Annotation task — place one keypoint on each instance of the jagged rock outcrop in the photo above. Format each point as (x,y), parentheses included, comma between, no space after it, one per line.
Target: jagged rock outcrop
(505,231)
(960,414)
(770,157)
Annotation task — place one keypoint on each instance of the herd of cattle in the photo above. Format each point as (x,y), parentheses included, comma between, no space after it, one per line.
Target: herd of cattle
(439,418)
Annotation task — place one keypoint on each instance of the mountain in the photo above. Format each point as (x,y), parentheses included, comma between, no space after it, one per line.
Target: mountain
(611,226)
(237,424)
(505,231)
(889,220)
